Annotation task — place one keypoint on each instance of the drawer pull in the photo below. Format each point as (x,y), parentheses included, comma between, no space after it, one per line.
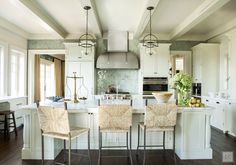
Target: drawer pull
(217,102)
(19,104)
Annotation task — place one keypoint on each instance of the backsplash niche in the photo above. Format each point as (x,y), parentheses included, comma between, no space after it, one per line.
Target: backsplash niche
(124,80)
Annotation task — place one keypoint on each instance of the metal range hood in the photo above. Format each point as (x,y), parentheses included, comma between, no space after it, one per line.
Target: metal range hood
(117,56)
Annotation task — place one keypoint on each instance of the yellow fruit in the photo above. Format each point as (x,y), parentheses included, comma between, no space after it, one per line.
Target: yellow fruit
(197,105)
(198,101)
(193,101)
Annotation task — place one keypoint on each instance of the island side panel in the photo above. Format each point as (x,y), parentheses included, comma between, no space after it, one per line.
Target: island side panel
(192,135)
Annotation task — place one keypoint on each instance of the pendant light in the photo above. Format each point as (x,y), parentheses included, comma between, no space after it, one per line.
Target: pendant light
(150,40)
(87,41)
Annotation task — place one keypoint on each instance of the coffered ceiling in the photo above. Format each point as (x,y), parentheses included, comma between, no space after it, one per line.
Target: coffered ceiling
(171,19)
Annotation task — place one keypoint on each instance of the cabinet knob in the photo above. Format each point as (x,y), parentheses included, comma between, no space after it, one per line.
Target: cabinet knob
(155,72)
(217,102)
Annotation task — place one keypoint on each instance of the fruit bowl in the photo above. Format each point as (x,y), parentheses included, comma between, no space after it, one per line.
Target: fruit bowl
(162,97)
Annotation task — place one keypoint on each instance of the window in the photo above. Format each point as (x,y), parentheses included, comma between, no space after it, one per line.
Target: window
(1,71)
(47,81)
(17,73)
(179,64)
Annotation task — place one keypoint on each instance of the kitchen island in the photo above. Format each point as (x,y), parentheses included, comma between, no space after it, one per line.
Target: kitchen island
(192,131)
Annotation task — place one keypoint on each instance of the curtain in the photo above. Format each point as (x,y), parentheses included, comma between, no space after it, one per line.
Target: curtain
(58,76)
(37,78)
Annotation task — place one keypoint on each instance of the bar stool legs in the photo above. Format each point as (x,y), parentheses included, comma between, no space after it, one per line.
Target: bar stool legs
(174,145)
(9,122)
(128,146)
(138,140)
(42,138)
(89,154)
(14,123)
(144,149)
(144,143)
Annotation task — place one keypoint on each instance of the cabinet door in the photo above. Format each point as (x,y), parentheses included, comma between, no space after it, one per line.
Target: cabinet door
(149,65)
(87,72)
(230,117)
(197,66)
(76,53)
(70,67)
(162,60)
(155,65)
(85,85)
(15,105)
(218,116)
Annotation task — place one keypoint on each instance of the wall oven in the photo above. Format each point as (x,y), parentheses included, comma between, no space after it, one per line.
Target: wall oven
(154,84)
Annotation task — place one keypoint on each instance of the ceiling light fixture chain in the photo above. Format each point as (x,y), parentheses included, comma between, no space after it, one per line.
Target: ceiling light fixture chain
(150,40)
(87,40)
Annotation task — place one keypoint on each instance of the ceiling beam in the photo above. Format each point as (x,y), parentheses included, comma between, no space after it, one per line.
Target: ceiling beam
(94,20)
(221,30)
(37,9)
(204,10)
(144,20)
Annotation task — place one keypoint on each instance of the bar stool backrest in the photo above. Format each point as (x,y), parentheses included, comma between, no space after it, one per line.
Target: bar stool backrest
(4,106)
(115,117)
(53,120)
(160,115)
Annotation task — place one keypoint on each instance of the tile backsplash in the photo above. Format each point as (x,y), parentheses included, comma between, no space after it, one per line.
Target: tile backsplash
(127,80)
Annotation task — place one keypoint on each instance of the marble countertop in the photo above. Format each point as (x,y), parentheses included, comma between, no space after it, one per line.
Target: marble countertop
(218,99)
(6,98)
(91,106)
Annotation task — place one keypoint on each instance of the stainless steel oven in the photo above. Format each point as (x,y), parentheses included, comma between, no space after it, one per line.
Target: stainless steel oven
(154,84)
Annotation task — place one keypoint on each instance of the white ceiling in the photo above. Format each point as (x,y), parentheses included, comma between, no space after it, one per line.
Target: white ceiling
(121,15)
(172,19)
(68,13)
(219,18)
(19,15)
(169,13)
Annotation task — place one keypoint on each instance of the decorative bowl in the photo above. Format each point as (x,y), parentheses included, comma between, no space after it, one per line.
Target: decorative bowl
(162,97)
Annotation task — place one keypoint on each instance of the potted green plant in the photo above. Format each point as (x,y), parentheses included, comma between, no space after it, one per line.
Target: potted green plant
(183,84)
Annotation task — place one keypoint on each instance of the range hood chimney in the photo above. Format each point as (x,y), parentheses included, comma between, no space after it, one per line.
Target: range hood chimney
(117,56)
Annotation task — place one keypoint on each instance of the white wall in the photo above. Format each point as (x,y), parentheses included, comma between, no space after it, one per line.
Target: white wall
(10,40)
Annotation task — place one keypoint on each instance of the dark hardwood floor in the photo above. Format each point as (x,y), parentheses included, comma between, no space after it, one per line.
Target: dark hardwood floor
(10,153)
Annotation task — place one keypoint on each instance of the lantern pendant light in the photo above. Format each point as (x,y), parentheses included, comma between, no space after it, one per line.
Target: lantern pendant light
(150,40)
(87,41)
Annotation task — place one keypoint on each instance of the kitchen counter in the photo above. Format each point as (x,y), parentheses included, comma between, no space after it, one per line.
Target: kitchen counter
(192,131)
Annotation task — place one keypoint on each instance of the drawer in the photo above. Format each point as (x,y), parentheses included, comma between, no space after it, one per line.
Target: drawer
(17,103)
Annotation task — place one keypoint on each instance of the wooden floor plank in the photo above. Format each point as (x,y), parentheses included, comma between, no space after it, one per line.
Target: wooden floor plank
(10,153)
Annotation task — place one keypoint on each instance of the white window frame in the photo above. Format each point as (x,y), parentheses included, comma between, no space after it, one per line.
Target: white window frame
(51,64)
(24,53)
(4,68)
(31,60)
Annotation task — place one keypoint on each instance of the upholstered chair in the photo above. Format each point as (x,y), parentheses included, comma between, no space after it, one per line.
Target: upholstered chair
(54,123)
(115,119)
(158,118)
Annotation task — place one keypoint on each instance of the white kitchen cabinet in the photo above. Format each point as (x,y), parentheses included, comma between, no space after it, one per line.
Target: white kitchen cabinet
(83,65)
(218,117)
(230,116)
(85,85)
(74,53)
(15,105)
(206,66)
(157,64)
